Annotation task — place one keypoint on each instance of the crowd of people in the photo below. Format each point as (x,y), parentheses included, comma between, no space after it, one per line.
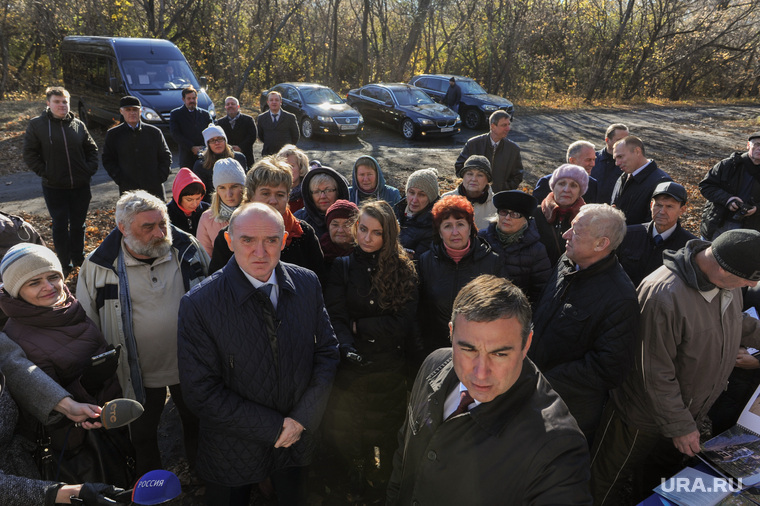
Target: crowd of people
(548,348)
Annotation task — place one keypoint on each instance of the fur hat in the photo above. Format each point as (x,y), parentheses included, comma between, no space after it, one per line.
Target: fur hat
(426,180)
(228,171)
(23,262)
(212,132)
(737,252)
(574,172)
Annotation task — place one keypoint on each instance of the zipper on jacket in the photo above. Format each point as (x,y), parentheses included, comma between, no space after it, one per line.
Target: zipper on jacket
(232,361)
(68,158)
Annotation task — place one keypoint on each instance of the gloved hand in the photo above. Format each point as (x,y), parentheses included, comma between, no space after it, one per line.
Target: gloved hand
(100,494)
(95,375)
(352,357)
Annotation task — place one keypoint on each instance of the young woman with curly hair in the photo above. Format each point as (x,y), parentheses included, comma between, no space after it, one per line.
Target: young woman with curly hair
(371,297)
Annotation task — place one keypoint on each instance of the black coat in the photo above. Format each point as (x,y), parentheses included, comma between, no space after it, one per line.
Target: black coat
(241,381)
(584,332)
(309,212)
(635,198)
(207,176)
(440,281)
(551,234)
(640,256)
(525,262)
(186,129)
(276,136)
(243,135)
(416,232)
(179,219)
(523,447)
(728,178)
(606,173)
(304,251)
(137,159)
(506,163)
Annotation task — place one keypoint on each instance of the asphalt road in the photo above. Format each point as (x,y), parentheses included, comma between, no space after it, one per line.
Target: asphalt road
(676,138)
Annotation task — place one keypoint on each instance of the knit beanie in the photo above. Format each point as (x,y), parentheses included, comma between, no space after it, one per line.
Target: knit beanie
(213,131)
(477,162)
(574,172)
(426,180)
(23,262)
(341,209)
(737,252)
(228,171)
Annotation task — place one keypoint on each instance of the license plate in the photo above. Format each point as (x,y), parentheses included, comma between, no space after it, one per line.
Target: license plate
(348,127)
(447,129)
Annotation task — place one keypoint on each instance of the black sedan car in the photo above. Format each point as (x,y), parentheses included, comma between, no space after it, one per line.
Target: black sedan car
(476,104)
(405,108)
(319,109)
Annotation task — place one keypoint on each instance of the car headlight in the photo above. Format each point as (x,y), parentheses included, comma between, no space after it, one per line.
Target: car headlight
(212,111)
(325,119)
(426,122)
(361,119)
(488,107)
(459,120)
(150,115)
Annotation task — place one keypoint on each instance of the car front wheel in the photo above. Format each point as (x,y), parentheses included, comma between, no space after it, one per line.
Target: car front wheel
(407,129)
(307,128)
(472,118)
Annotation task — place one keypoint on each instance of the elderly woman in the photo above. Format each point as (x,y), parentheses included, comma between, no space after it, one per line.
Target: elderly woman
(52,328)
(338,241)
(371,297)
(217,148)
(514,236)
(299,162)
(457,257)
(414,213)
(269,182)
(323,186)
(229,186)
(556,212)
(475,186)
(368,183)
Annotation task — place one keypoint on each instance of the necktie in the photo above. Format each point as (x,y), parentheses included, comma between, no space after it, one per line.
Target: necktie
(267,289)
(275,118)
(232,123)
(658,240)
(465,399)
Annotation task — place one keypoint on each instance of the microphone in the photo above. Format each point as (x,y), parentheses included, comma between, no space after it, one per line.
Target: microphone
(156,487)
(117,413)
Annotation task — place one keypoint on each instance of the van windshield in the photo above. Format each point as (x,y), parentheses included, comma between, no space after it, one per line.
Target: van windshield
(158,74)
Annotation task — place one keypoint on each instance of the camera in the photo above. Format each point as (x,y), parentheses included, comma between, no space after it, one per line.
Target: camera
(744,208)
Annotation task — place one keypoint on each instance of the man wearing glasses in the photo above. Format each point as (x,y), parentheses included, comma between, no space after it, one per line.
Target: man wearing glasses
(135,154)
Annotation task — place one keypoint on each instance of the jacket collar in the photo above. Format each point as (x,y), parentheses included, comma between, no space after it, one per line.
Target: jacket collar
(106,254)
(242,289)
(601,265)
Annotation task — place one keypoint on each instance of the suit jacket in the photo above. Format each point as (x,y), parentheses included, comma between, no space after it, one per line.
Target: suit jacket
(633,198)
(276,136)
(186,129)
(243,135)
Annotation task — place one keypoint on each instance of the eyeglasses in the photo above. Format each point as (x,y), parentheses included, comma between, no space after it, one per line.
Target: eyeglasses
(512,214)
(326,192)
(216,140)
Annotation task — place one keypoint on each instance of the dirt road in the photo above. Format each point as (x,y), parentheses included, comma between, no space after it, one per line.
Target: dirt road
(685,143)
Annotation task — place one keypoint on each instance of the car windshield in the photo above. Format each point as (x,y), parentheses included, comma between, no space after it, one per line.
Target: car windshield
(412,96)
(158,74)
(316,96)
(471,88)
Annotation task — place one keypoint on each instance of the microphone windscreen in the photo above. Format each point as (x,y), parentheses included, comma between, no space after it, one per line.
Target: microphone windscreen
(120,412)
(156,487)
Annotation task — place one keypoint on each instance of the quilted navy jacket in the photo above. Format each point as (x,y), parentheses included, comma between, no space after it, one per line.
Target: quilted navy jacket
(241,384)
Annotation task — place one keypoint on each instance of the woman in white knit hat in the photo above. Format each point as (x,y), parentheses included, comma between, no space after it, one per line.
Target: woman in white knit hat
(229,190)
(414,212)
(217,149)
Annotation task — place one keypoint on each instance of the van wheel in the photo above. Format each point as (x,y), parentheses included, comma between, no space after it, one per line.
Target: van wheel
(83,116)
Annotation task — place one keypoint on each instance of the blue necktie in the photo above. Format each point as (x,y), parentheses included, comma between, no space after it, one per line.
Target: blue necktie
(658,240)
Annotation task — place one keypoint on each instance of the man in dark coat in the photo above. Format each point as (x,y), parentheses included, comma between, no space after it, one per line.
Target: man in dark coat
(504,155)
(453,95)
(605,171)
(484,426)
(277,126)
(135,154)
(258,354)
(585,323)
(634,188)
(640,253)
(732,183)
(239,128)
(59,149)
(186,124)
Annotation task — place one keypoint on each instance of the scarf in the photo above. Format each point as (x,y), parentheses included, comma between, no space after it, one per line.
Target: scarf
(458,254)
(225,212)
(477,200)
(330,250)
(507,239)
(295,193)
(292,227)
(555,214)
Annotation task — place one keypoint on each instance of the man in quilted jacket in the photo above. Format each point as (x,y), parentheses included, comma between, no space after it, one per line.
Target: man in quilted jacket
(257,356)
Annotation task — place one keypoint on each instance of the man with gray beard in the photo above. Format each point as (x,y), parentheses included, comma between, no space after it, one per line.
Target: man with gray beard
(131,286)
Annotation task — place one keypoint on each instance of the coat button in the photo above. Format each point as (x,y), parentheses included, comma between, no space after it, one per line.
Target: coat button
(155,280)
(371,301)
(431,455)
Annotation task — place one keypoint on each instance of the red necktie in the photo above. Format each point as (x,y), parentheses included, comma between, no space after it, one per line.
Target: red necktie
(465,399)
